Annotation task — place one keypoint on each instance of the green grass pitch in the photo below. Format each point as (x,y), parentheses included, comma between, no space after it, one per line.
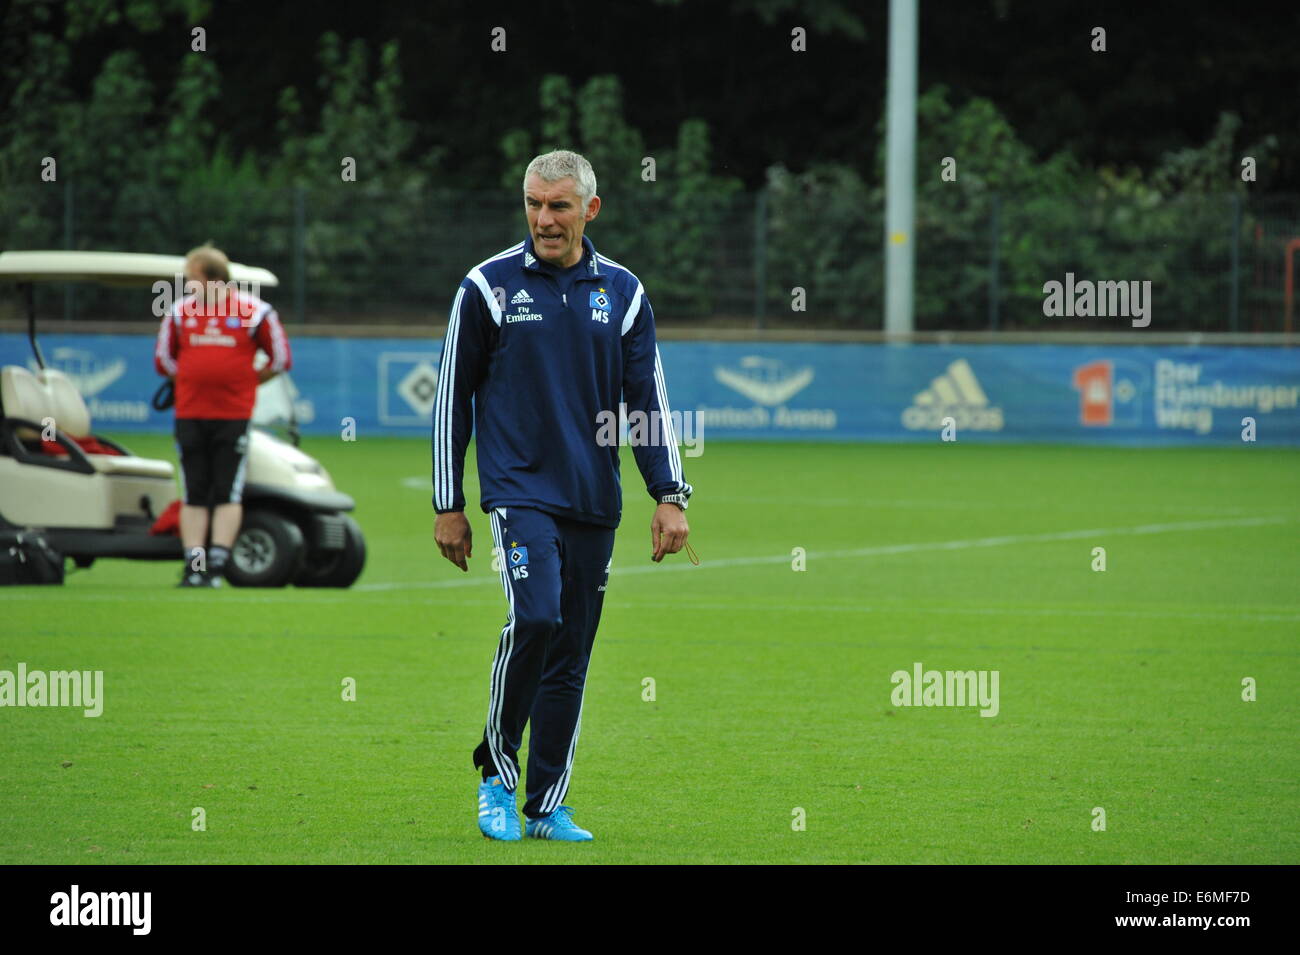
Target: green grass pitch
(1119,689)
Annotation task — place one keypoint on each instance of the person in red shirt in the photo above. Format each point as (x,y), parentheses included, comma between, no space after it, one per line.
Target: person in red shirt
(206,346)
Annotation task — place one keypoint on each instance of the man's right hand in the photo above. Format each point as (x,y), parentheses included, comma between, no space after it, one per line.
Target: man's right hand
(454,538)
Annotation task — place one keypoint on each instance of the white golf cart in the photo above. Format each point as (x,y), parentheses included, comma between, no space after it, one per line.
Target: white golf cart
(89,497)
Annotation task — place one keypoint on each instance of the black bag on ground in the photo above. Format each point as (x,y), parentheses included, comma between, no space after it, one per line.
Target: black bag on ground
(27,558)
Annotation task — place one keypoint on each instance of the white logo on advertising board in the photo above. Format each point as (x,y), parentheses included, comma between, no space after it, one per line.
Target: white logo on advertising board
(408,387)
(91,376)
(956,394)
(770,384)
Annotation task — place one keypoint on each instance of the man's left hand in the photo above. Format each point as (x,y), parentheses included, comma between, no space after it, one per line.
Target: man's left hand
(668,531)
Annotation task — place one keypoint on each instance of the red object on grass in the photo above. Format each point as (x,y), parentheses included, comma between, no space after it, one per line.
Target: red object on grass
(169,521)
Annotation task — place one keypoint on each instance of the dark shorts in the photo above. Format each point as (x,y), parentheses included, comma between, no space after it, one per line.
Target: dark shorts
(214,456)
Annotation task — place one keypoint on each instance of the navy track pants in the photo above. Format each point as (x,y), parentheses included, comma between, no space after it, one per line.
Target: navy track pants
(554,572)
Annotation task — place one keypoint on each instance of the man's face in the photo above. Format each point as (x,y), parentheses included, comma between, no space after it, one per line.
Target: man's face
(556,219)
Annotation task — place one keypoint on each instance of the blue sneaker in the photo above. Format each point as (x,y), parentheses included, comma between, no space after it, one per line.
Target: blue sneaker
(498,816)
(558,825)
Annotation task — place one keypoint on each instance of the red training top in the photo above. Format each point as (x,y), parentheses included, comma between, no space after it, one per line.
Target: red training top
(210,350)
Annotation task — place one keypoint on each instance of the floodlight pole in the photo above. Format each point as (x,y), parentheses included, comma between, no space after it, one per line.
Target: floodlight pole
(900,168)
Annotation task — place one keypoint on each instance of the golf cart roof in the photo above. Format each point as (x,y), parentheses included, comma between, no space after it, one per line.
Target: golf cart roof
(111,268)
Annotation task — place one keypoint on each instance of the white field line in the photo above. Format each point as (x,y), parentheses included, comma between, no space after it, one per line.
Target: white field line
(878,551)
(421,483)
(292,595)
(966,611)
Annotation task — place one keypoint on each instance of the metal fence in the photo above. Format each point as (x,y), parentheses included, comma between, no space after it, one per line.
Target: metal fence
(357,255)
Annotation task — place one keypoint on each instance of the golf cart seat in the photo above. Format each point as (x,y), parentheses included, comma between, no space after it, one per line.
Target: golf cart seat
(51,394)
(22,396)
(66,404)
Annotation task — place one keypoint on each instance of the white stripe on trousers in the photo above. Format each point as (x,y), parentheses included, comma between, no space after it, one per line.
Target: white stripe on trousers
(508,768)
(237,487)
(555,794)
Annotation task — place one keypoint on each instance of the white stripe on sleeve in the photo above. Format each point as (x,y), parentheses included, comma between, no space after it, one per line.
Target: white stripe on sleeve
(164,347)
(632,309)
(444,407)
(479,279)
(670,438)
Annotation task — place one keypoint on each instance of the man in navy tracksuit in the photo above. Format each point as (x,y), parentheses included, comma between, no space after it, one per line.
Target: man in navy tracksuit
(544,341)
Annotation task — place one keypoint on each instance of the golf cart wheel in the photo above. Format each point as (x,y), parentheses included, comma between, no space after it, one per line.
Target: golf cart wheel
(336,568)
(268,551)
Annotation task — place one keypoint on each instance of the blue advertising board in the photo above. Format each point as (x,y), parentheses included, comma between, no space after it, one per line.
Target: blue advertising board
(1092,394)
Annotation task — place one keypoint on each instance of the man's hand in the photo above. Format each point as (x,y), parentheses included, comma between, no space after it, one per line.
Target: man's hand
(668,531)
(454,538)
(265,374)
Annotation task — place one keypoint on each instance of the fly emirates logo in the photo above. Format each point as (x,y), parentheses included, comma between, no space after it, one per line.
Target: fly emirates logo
(213,333)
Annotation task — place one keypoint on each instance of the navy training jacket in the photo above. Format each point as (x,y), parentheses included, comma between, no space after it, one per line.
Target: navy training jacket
(536,372)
